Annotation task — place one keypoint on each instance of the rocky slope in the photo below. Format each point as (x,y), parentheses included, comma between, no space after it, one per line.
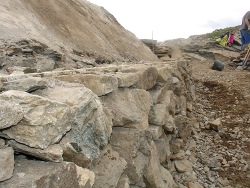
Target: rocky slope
(74,26)
(220,150)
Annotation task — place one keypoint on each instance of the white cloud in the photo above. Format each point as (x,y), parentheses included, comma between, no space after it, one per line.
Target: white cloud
(174,19)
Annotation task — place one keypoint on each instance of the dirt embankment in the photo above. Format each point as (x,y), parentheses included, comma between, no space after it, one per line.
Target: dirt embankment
(68,25)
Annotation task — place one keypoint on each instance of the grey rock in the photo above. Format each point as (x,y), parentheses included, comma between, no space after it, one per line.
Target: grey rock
(194,185)
(214,163)
(164,76)
(126,79)
(216,125)
(47,64)
(158,114)
(10,114)
(183,165)
(147,78)
(109,169)
(163,147)
(92,123)
(29,84)
(164,96)
(129,107)
(123,182)
(134,147)
(44,122)
(2,143)
(156,175)
(39,174)
(156,131)
(184,126)
(100,84)
(51,153)
(6,163)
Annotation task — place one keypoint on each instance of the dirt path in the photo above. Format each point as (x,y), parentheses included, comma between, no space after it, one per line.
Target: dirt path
(224,154)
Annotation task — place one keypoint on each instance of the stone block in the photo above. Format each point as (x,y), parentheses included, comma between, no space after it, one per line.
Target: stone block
(6,163)
(109,169)
(134,147)
(44,121)
(158,114)
(156,131)
(100,84)
(39,174)
(130,107)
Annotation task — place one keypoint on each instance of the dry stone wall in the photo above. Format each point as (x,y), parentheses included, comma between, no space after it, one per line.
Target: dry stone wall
(123,125)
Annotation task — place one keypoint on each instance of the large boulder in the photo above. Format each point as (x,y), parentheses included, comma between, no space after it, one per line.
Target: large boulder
(39,174)
(146,75)
(99,84)
(134,146)
(92,125)
(147,78)
(44,122)
(130,107)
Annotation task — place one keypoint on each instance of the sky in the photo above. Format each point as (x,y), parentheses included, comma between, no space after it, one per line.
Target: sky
(165,20)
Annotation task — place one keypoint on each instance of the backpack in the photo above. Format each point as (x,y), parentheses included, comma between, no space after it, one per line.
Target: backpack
(223,41)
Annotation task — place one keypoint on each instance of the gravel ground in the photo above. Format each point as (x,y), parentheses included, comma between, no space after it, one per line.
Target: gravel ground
(222,110)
